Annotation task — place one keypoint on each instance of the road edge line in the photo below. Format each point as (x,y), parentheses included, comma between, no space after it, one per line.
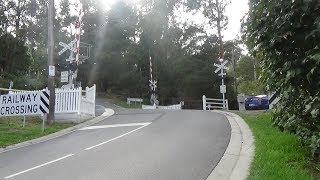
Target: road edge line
(39,166)
(236,161)
(59,133)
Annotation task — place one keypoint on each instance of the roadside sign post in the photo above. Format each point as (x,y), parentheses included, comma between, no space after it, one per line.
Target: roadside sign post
(24,104)
(24,121)
(221,67)
(43,119)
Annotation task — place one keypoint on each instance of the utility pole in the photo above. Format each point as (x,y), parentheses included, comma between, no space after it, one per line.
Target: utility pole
(254,69)
(234,71)
(51,67)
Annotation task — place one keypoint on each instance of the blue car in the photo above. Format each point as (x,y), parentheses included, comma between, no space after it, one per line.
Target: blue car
(257,102)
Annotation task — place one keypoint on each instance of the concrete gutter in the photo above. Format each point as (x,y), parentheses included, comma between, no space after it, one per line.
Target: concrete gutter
(106,114)
(235,163)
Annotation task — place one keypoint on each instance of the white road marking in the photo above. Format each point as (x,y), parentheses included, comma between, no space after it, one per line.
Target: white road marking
(114,126)
(116,137)
(108,112)
(36,167)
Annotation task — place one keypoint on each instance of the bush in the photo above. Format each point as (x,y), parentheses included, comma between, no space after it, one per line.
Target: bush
(286,34)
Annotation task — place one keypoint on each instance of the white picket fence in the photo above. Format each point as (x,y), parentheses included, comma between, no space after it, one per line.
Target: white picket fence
(171,107)
(68,100)
(88,101)
(72,100)
(149,107)
(210,104)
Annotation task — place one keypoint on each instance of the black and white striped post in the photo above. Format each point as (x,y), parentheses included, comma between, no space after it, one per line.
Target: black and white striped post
(273,99)
(44,106)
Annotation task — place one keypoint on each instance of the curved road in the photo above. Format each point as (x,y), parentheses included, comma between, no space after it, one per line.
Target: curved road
(132,144)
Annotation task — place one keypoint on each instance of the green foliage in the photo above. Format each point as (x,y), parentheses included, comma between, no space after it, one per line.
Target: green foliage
(12,131)
(245,69)
(277,155)
(124,38)
(248,71)
(286,34)
(127,37)
(13,55)
(251,87)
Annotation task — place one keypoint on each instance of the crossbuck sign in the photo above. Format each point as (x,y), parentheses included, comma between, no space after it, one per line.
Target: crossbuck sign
(221,67)
(153,85)
(25,103)
(66,47)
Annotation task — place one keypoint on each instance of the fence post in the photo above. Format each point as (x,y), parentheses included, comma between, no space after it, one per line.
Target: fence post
(204,102)
(79,92)
(94,99)
(227,104)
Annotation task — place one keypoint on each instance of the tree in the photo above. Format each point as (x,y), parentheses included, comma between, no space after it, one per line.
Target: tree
(247,71)
(14,58)
(286,35)
(214,10)
(13,55)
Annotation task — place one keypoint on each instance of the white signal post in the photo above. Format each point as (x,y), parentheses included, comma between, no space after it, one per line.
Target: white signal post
(153,86)
(221,67)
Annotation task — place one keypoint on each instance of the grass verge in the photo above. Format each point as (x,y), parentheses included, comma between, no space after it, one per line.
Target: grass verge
(12,132)
(278,155)
(120,101)
(124,104)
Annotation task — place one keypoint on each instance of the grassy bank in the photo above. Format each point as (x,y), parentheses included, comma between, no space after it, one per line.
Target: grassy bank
(12,132)
(278,155)
(122,102)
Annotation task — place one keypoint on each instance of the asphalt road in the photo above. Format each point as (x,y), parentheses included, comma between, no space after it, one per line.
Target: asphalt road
(102,103)
(132,144)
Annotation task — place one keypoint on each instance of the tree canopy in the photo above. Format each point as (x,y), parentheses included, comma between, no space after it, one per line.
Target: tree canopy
(285,35)
(123,38)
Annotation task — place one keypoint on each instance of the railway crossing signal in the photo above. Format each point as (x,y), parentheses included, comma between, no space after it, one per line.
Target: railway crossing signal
(220,68)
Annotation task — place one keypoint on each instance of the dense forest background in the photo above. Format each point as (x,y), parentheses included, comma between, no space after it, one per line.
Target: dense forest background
(123,38)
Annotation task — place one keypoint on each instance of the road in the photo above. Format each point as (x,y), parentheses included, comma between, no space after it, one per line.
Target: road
(102,103)
(132,144)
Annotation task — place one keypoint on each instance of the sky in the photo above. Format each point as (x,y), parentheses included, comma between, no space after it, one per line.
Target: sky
(235,12)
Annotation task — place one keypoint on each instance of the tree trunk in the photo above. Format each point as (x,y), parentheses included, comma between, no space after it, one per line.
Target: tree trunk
(219,28)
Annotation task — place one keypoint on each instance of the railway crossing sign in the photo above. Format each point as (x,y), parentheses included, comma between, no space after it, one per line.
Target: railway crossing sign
(220,67)
(153,85)
(66,47)
(223,88)
(24,103)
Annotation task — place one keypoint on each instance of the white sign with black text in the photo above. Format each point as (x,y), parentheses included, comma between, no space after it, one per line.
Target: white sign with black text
(223,89)
(25,103)
(52,70)
(64,76)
